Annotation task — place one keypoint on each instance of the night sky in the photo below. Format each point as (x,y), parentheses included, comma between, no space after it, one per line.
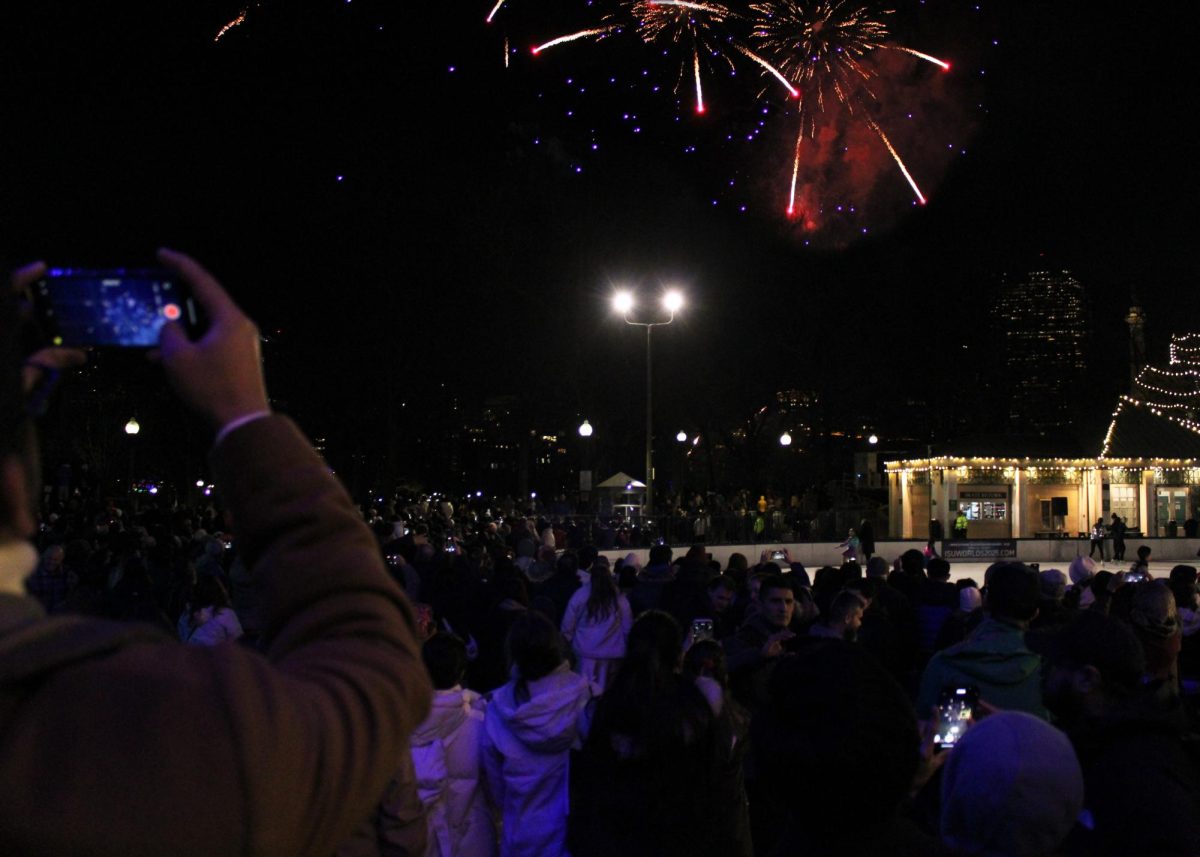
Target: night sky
(408,218)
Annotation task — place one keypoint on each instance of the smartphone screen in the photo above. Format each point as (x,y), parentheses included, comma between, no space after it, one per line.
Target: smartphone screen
(116,308)
(702,629)
(955,712)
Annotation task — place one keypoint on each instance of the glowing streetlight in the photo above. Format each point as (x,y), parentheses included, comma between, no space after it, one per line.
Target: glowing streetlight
(133,426)
(873,439)
(681,437)
(785,439)
(585,429)
(623,302)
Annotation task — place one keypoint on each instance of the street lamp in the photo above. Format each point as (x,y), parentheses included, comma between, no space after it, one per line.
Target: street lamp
(873,439)
(785,439)
(623,303)
(133,426)
(585,429)
(681,437)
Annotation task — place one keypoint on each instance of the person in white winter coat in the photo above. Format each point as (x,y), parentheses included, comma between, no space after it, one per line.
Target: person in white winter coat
(447,754)
(596,623)
(531,725)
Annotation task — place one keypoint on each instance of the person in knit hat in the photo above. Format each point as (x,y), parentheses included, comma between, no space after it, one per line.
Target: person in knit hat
(1081,571)
(1013,786)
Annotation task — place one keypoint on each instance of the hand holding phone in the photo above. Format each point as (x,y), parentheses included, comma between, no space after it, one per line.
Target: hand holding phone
(702,629)
(220,374)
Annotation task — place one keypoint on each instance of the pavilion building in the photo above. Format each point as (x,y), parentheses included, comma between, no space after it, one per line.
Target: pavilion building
(1146,470)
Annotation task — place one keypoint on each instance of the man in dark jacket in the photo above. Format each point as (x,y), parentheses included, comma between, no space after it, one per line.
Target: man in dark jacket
(652,580)
(754,651)
(118,740)
(1141,783)
(994,658)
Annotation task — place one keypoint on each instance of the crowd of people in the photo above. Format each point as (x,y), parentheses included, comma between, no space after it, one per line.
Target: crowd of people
(388,686)
(583,706)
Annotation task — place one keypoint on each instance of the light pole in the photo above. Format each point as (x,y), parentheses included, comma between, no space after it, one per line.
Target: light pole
(131,430)
(623,302)
(585,472)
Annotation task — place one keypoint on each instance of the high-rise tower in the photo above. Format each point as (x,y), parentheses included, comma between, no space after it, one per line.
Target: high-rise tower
(1041,316)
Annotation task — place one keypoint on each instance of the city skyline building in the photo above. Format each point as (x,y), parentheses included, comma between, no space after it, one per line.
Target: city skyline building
(1041,319)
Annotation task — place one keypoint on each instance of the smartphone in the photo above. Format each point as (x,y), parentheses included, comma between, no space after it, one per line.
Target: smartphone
(1139,576)
(776,556)
(115,307)
(702,629)
(955,713)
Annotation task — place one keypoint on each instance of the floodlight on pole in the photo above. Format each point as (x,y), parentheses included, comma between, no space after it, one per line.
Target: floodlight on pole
(672,301)
(623,302)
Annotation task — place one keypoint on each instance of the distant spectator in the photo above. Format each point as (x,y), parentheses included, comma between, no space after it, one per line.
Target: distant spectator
(1053,589)
(844,618)
(654,577)
(1081,571)
(962,620)
(596,623)
(756,648)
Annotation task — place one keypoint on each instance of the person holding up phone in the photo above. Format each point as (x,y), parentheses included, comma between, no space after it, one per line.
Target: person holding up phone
(120,740)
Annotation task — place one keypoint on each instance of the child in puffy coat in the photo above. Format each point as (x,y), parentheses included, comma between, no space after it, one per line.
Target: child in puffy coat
(531,725)
(446,751)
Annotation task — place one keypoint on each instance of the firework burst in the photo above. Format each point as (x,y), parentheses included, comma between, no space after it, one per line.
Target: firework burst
(822,47)
(698,28)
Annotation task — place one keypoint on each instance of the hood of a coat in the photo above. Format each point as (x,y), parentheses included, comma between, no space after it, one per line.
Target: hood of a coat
(447,712)
(547,721)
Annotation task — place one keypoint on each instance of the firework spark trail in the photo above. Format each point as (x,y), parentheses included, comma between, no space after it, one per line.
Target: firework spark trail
(795,93)
(684,4)
(570,37)
(685,23)
(791,209)
(896,156)
(240,19)
(495,9)
(945,65)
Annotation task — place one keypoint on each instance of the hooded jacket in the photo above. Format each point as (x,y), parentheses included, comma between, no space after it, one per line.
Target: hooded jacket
(995,659)
(446,751)
(527,741)
(596,638)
